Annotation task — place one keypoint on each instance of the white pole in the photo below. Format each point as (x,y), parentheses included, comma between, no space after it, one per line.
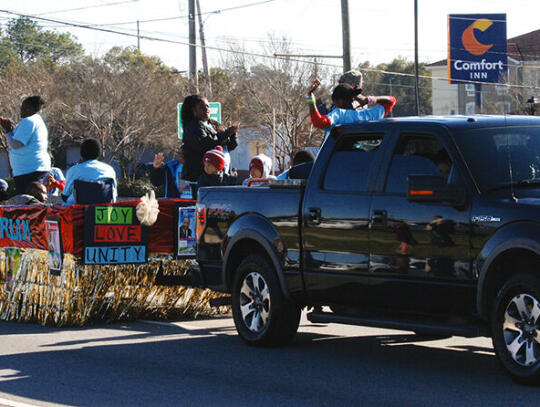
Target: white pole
(273,141)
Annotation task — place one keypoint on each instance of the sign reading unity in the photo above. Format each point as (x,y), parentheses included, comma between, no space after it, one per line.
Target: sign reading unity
(113,235)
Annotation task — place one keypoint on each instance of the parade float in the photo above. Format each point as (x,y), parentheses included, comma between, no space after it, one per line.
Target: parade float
(73,265)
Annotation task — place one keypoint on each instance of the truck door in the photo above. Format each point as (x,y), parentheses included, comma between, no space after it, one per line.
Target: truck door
(336,218)
(420,252)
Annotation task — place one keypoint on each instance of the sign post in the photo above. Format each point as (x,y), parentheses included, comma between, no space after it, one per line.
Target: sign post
(477,50)
(215,114)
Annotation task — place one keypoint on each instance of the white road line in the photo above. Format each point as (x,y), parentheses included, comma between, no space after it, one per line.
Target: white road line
(14,403)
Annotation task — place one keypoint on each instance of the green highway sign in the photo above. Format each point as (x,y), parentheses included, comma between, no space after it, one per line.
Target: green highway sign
(215,114)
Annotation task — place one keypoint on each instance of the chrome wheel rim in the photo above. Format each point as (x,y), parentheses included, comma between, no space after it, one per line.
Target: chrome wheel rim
(255,302)
(521,330)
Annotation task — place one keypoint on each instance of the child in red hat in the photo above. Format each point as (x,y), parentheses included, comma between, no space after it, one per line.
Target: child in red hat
(260,166)
(213,175)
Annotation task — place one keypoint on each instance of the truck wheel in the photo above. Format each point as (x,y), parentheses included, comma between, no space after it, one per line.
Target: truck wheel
(262,315)
(515,327)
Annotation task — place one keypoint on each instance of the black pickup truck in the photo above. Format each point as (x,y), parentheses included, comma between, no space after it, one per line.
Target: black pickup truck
(427,224)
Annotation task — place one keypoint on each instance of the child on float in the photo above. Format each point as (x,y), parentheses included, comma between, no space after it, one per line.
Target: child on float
(213,174)
(343,97)
(260,167)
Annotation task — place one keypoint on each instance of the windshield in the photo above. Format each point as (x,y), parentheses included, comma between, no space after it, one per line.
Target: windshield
(490,154)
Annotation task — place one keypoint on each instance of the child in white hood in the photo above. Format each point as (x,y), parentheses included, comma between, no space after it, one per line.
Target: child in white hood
(259,167)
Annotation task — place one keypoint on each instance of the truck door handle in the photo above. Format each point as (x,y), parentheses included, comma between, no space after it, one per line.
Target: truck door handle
(315,215)
(379,217)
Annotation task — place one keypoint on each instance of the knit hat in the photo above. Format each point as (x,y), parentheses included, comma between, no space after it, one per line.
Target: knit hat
(256,163)
(216,157)
(353,78)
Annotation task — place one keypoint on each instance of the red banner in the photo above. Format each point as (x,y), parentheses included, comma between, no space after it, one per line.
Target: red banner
(24,226)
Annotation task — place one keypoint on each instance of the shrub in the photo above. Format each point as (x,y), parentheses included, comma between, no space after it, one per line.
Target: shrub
(137,188)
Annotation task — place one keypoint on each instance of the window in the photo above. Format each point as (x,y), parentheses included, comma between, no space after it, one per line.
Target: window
(501,90)
(509,155)
(503,107)
(350,164)
(418,155)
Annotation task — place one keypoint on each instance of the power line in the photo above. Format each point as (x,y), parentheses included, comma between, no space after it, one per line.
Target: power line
(87,7)
(253,54)
(153,20)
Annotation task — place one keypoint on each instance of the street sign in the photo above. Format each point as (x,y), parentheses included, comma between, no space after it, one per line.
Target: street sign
(477,48)
(215,114)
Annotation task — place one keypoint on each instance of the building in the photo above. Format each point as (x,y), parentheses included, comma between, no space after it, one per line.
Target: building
(470,98)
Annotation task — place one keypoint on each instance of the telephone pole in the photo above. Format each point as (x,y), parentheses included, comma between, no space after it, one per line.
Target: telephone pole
(416,91)
(207,82)
(138,36)
(192,48)
(346,35)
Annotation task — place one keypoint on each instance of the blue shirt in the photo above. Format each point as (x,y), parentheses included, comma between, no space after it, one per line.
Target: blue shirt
(183,186)
(347,116)
(89,170)
(33,156)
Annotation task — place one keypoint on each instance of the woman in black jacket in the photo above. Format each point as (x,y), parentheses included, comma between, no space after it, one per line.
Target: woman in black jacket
(200,135)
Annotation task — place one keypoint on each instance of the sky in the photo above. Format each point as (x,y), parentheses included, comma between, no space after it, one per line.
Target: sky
(380,30)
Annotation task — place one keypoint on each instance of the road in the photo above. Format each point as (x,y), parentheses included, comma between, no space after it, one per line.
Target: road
(204,363)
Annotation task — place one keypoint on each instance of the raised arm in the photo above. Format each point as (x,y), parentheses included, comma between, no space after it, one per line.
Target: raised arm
(388,102)
(317,119)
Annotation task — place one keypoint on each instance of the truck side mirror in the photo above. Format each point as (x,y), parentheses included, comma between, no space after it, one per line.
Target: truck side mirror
(433,188)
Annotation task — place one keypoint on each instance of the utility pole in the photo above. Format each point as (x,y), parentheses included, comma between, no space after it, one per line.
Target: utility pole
(417,93)
(207,82)
(138,36)
(346,35)
(192,48)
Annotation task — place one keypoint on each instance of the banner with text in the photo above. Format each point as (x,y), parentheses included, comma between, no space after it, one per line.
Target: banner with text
(113,235)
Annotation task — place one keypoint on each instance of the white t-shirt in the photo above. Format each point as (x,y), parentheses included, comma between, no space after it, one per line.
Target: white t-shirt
(33,156)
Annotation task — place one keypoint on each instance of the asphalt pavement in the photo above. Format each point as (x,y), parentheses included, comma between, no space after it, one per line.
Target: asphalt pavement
(204,363)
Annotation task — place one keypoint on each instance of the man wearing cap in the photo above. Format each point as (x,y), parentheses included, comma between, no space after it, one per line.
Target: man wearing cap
(213,175)
(28,143)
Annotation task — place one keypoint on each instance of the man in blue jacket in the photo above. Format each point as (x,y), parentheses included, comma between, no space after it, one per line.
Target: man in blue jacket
(170,175)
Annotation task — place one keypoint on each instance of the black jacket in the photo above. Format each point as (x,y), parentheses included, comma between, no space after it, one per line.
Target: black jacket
(215,180)
(199,137)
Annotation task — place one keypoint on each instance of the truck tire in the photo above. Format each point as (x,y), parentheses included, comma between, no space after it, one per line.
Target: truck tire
(262,315)
(515,327)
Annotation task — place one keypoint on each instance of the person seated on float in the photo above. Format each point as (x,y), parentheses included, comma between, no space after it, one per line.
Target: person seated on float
(55,182)
(259,167)
(170,175)
(301,166)
(36,193)
(344,112)
(90,170)
(213,174)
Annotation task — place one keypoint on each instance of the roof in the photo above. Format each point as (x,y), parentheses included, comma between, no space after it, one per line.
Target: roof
(523,48)
(463,122)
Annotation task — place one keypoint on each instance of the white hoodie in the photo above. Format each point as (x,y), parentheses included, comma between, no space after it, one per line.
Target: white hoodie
(267,168)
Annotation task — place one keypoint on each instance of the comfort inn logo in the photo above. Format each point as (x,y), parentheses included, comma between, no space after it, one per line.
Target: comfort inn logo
(477,48)
(469,40)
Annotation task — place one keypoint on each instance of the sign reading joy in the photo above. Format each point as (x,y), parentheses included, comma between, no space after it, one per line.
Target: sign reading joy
(113,235)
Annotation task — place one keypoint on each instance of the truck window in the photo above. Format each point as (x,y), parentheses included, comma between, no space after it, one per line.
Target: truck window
(350,163)
(419,155)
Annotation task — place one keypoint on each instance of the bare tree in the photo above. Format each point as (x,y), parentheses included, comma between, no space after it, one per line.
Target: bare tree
(265,87)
